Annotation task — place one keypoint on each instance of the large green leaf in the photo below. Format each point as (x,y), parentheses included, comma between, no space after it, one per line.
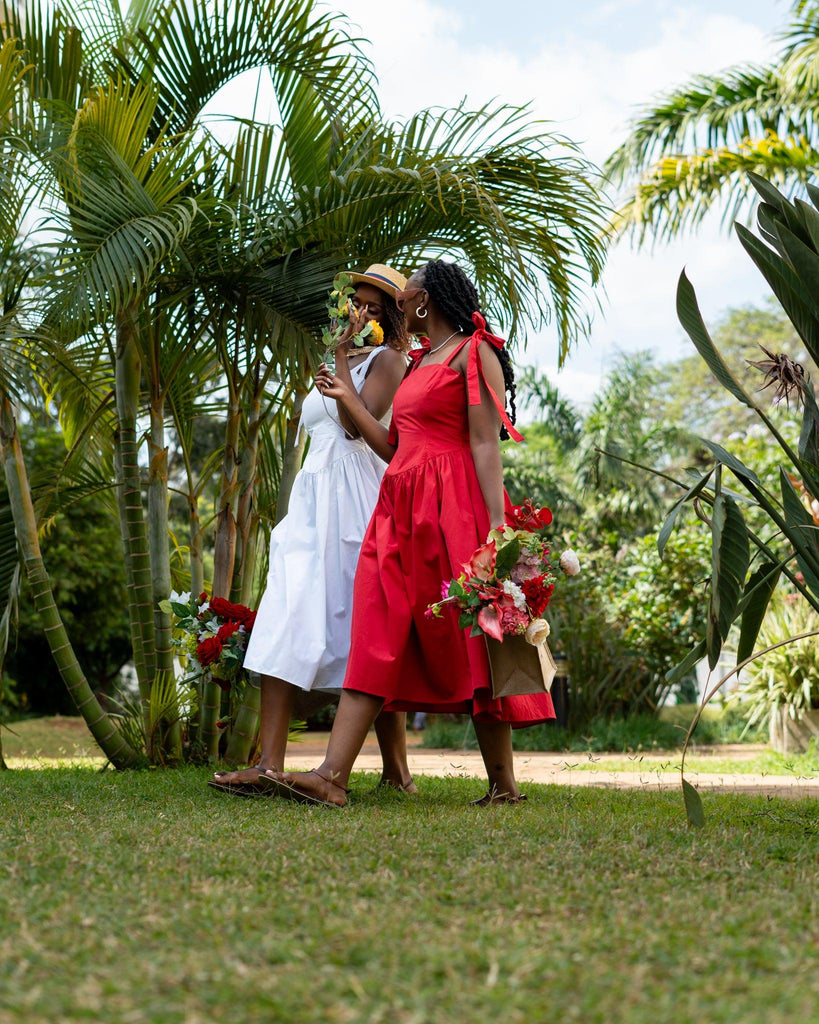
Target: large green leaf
(725,457)
(693,805)
(730,555)
(802,532)
(758,591)
(687,665)
(671,518)
(795,298)
(688,312)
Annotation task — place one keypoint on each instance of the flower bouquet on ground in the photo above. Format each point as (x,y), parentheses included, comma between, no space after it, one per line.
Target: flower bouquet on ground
(503,593)
(212,633)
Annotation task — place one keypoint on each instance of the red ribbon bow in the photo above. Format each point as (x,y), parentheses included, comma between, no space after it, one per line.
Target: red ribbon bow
(475,374)
(474,370)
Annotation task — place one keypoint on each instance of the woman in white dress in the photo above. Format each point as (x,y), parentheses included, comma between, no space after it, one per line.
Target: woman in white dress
(301,638)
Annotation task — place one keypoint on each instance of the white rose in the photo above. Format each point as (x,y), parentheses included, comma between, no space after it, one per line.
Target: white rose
(537,631)
(569,562)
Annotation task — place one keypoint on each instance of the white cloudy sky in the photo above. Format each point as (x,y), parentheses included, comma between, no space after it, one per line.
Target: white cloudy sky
(586,66)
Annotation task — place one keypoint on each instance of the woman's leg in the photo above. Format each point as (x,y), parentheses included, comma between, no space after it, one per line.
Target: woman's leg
(495,742)
(356,713)
(391,730)
(276,711)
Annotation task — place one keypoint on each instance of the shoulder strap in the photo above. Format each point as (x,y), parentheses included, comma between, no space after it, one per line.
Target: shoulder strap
(454,352)
(475,374)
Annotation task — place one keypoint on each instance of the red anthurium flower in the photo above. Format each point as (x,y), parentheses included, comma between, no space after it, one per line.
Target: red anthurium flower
(482,563)
(489,621)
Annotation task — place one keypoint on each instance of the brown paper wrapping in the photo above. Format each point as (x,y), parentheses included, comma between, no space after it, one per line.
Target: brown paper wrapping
(518,667)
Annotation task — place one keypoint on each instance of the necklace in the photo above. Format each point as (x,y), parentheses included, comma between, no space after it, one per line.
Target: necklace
(439,347)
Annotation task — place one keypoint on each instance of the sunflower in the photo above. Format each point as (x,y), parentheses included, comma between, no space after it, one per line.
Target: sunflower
(376,334)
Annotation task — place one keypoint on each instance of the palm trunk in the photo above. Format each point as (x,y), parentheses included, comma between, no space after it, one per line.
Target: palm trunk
(247,482)
(132,521)
(246,726)
(171,742)
(223,560)
(101,726)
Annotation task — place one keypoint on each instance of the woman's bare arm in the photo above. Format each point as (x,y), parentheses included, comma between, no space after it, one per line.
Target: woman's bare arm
(385,374)
(368,426)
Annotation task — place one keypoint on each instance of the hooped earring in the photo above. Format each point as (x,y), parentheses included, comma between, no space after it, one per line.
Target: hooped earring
(421,312)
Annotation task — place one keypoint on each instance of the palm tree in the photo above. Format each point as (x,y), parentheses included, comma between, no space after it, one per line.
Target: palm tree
(189,274)
(691,149)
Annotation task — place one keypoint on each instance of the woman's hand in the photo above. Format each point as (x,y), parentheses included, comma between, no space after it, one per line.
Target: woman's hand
(356,324)
(332,386)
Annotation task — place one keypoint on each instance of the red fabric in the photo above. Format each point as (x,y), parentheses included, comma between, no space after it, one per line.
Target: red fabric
(429,519)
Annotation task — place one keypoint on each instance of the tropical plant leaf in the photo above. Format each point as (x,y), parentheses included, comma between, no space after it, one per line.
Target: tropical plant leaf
(693,805)
(688,312)
(671,518)
(684,667)
(730,555)
(802,531)
(725,457)
(758,591)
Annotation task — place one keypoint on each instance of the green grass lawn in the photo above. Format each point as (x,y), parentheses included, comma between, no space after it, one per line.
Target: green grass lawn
(145,897)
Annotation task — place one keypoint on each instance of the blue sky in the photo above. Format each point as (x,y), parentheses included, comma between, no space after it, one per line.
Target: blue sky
(586,66)
(620,23)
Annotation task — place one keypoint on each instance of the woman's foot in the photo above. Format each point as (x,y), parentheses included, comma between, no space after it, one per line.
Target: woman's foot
(243,777)
(402,785)
(494,797)
(314,788)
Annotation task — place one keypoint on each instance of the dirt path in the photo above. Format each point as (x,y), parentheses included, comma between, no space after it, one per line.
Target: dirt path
(561,769)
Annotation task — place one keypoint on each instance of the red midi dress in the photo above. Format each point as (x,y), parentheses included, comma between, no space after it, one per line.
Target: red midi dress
(429,518)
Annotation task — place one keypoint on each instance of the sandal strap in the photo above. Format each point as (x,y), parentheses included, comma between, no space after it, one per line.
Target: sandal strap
(330,781)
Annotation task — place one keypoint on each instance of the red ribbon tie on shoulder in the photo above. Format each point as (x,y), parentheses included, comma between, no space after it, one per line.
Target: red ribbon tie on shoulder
(475,374)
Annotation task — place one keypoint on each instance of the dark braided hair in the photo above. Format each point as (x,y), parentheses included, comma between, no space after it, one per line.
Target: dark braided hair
(457,298)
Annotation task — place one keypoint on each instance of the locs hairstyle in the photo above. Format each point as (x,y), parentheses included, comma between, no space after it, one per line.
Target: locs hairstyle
(457,298)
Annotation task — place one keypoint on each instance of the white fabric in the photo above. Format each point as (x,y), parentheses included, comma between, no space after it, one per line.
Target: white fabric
(302,631)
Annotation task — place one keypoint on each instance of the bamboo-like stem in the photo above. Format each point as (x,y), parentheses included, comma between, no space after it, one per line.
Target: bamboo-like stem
(247,481)
(101,726)
(160,559)
(135,538)
(246,726)
(224,549)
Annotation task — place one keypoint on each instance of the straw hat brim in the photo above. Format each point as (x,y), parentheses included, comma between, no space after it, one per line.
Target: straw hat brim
(376,280)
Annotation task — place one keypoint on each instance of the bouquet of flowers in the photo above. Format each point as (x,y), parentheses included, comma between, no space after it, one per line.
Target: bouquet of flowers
(507,584)
(341,311)
(214,632)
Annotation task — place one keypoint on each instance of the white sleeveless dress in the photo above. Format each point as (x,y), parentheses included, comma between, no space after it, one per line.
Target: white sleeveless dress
(302,630)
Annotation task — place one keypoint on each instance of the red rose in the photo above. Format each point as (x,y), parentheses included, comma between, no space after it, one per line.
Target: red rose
(203,597)
(537,594)
(226,631)
(250,621)
(234,612)
(209,650)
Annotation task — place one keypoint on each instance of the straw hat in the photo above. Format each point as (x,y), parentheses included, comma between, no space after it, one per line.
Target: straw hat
(380,276)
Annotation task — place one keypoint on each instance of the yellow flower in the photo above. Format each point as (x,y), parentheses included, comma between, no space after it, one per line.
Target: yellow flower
(376,334)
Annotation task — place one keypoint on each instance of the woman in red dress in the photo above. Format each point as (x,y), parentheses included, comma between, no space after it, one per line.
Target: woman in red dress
(441,494)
